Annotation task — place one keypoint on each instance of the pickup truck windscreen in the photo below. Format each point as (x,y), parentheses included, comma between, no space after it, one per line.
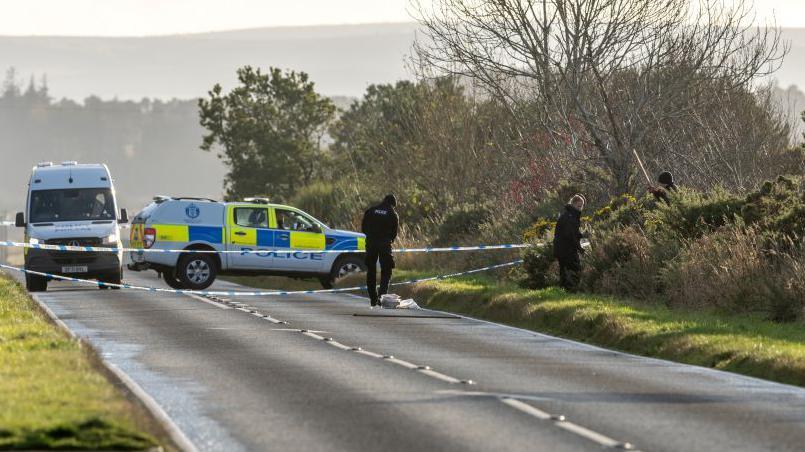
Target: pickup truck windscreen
(75,204)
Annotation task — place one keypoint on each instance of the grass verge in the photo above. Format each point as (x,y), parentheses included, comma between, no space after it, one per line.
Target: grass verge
(745,345)
(741,344)
(53,395)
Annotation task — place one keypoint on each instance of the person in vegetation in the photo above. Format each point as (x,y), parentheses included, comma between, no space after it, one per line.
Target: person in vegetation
(665,185)
(380,224)
(567,242)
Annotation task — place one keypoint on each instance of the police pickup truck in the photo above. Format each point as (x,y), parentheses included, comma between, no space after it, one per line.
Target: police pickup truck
(263,239)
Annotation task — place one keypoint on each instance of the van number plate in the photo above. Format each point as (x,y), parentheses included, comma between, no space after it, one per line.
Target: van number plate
(74,269)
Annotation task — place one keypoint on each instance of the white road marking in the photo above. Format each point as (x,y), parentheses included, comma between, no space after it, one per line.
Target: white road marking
(400,362)
(368,353)
(558,420)
(208,301)
(439,376)
(296,330)
(243,307)
(339,345)
(176,434)
(312,335)
(591,435)
(526,408)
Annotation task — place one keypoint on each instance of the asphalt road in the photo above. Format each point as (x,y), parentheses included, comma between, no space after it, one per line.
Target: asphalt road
(233,379)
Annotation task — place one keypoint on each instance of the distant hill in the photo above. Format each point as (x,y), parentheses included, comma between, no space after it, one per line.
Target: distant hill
(793,70)
(342,60)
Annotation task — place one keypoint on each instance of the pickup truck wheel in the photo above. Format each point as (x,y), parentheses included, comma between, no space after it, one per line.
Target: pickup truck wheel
(196,271)
(36,283)
(172,281)
(343,267)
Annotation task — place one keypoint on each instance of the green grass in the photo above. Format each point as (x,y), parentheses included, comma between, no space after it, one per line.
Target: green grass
(741,344)
(52,393)
(747,345)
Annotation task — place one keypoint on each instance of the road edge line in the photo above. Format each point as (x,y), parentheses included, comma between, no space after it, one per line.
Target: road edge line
(175,434)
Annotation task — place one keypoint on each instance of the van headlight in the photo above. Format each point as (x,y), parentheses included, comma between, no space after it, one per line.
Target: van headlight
(110,239)
(33,241)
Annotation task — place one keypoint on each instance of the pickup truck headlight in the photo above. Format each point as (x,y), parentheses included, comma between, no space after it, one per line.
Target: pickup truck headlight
(110,239)
(33,241)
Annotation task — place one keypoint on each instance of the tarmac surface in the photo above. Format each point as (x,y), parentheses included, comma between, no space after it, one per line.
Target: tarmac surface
(240,374)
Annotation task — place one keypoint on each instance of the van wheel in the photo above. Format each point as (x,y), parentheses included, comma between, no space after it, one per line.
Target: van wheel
(343,267)
(36,283)
(196,271)
(113,278)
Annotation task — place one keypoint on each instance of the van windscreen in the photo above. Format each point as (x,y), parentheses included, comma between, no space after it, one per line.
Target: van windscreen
(75,204)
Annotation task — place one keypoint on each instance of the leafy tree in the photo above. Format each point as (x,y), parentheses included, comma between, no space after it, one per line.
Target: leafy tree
(270,130)
(428,142)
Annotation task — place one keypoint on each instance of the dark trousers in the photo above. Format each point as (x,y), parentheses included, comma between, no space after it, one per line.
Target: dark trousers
(375,252)
(569,268)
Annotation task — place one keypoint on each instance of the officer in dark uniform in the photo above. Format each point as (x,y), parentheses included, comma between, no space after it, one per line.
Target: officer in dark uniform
(567,242)
(665,185)
(380,224)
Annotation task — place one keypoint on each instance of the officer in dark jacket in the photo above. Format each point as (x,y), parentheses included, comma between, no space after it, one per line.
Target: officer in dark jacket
(380,224)
(665,185)
(567,242)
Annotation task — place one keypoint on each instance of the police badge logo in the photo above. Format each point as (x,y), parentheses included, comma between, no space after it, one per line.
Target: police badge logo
(192,211)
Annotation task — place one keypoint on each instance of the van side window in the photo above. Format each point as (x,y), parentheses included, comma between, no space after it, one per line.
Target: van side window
(251,217)
(295,221)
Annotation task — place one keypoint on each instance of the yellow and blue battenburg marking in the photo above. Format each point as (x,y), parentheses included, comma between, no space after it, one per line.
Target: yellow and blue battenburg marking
(258,237)
(188,233)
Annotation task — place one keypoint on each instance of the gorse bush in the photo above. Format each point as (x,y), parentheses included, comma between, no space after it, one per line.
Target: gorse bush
(622,262)
(711,250)
(693,214)
(461,225)
(540,266)
(330,203)
(737,270)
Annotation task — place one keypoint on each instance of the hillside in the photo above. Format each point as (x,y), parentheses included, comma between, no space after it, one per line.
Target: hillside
(342,60)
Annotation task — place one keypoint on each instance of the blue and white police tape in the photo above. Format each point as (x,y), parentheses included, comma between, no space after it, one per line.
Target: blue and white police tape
(7,223)
(100,249)
(232,293)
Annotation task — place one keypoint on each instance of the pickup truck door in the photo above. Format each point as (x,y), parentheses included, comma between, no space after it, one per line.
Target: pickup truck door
(248,230)
(296,231)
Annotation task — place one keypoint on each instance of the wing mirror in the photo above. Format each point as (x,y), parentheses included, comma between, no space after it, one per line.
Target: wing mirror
(124,216)
(20,220)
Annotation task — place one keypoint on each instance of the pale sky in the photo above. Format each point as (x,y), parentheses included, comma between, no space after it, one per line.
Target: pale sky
(155,17)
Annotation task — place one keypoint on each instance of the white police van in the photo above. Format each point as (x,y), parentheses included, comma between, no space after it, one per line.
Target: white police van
(276,233)
(71,204)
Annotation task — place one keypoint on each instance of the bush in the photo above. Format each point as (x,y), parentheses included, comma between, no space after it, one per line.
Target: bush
(735,270)
(778,207)
(330,203)
(461,225)
(539,230)
(621,262)
(540,266)
(692,214)
(712,250)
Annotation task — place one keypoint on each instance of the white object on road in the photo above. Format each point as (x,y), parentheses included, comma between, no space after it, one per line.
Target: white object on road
(393,301)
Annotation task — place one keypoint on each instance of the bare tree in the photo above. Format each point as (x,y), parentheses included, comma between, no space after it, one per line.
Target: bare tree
(601,73)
